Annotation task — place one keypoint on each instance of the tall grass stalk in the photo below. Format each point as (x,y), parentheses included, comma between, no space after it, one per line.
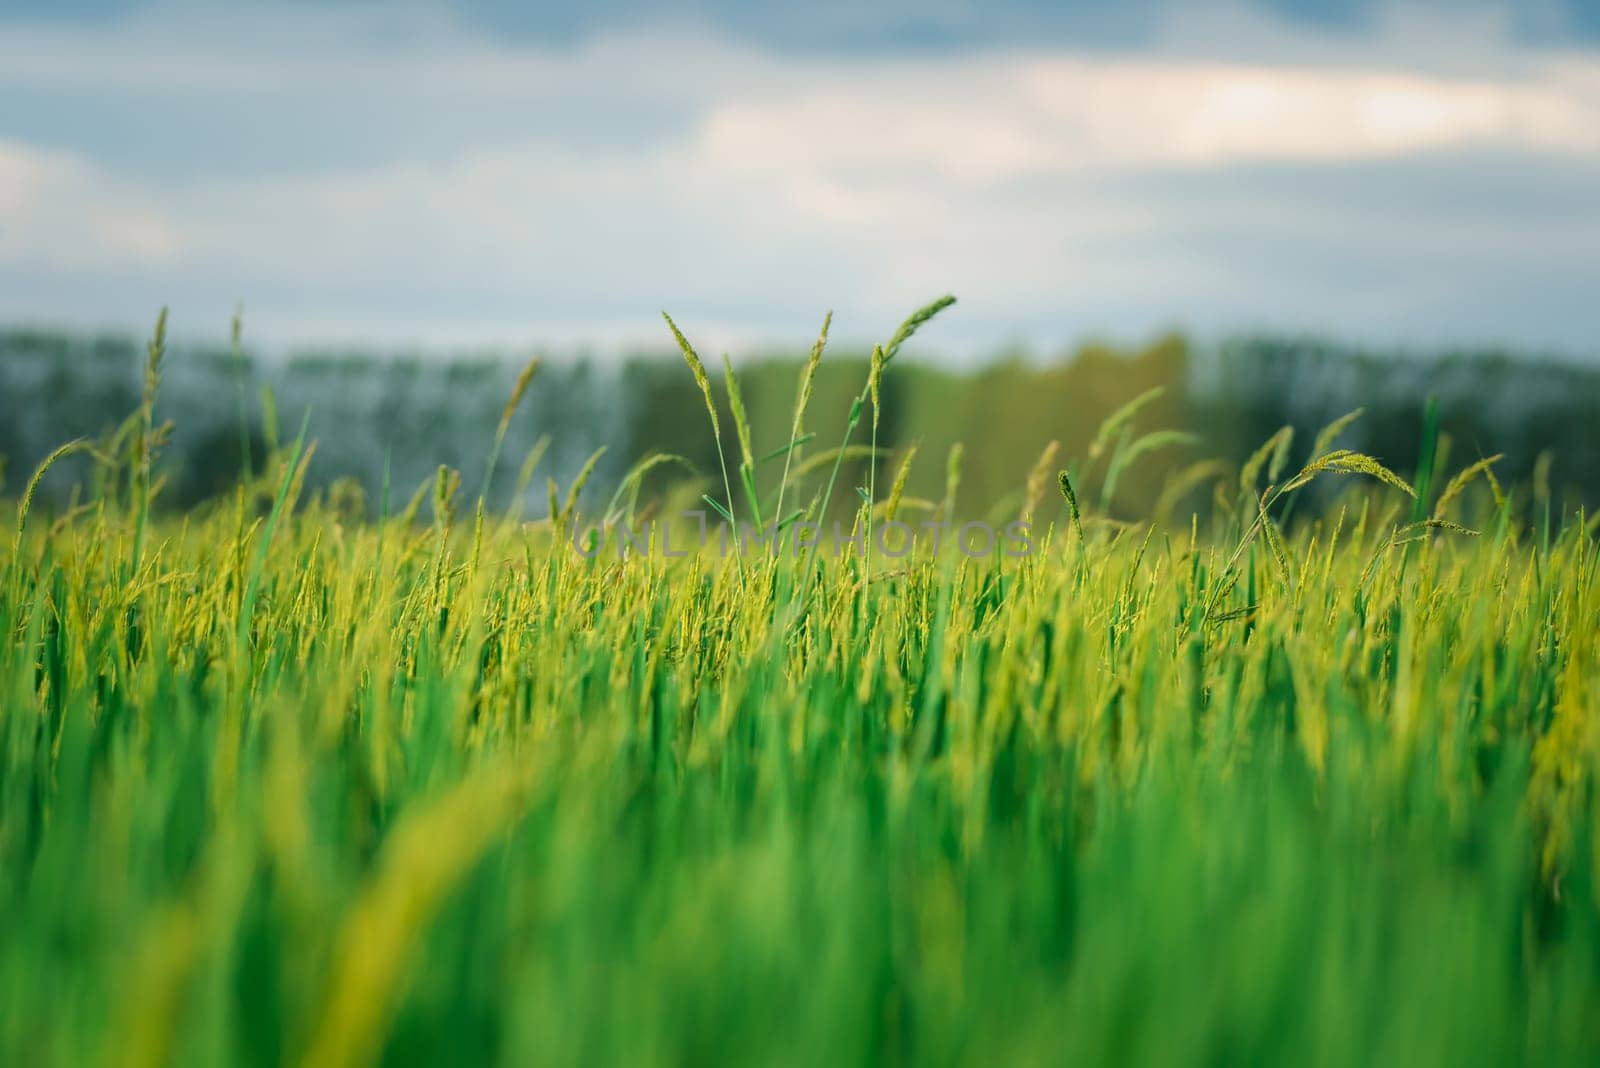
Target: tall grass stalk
(698,370)
(145,442)
(802,400)
(257,568)
(241,373)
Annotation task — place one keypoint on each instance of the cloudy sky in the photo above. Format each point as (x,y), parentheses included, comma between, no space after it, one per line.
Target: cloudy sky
(505,173)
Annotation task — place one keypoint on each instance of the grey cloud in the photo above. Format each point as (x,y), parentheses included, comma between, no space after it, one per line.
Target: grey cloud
(476,188)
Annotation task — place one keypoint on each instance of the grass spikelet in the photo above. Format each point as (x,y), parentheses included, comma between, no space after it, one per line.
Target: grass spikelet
(1038,481)
(1125,456)
(741,426)
(952,480)
(1113,424)
(634,478)
(253,584)
(297,480)
(236,348)
(530,464)
(1065,482)
(802,401)
(845,453)
(874,378)
(1328,434)
(1454,528)
(698,370)
(879,362)
(269,419)
(808,377)
(570,506)
(61,452)
(1274,539)
(898,488)
(408,514)
(1280,455)
(446,483)
(1460,482)
(518,389)
(914,322)
(155,351)
(907,504)
(1343,461)
(1494,488)
(1541,475)
(1250,473)
(1185,481)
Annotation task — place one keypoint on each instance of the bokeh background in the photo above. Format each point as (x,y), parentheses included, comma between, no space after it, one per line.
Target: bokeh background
(1280,210)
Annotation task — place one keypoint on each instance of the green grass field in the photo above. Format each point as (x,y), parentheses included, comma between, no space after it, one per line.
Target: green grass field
(283,786)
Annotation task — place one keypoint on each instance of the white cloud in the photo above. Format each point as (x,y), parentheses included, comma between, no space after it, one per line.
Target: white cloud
(1004,118)
(58,211)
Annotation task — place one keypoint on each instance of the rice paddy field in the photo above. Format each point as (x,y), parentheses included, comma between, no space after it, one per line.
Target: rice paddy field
(291,779)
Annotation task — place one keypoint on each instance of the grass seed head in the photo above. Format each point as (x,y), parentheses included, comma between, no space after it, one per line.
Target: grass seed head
(914,322)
